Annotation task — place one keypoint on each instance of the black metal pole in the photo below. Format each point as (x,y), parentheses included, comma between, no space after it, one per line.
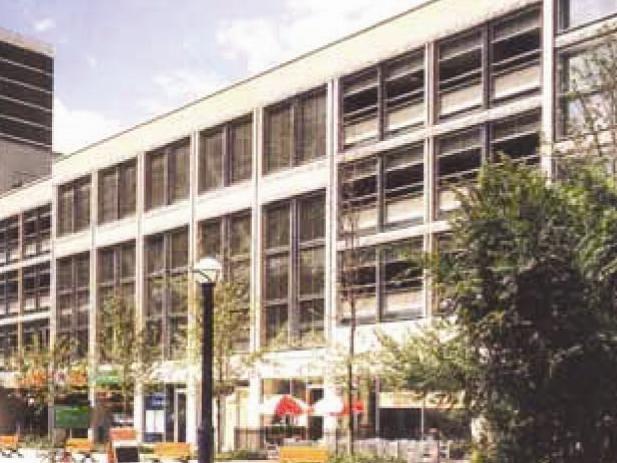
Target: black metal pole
(206,432)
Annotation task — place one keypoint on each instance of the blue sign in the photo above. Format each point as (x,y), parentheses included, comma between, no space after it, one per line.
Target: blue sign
(155,402)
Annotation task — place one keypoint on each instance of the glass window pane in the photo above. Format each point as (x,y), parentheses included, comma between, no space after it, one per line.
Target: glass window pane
(240,231)
(279,142)
(241,150)
(155,179)
(211,159)
(82,210)
(179,249)
(155,254)
(277,277)
(277,226)
(360,100)
(211,239)
(108,196)
(312,271)
(404,93)
(128,188)
(312,218)
(179,167)
(312,126)
(578,12)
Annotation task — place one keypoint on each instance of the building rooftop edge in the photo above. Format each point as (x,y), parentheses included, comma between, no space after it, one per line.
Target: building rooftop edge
(242,81)
(22,41)
(24,186)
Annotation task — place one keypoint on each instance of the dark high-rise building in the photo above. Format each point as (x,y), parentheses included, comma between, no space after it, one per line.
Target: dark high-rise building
(26,98)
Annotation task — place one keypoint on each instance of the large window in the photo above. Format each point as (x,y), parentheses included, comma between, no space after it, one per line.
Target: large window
(73,300)
(458,159)
(294,233)
(575,13)
(36,288)
(167,174)
(117,191)
(489,64)
(9,294)
(384,100)
(460,155)
(295,131)
(166,310)
(382,192)
(8,345)
(381,283)
(226,154)
(228,239)
(116,283)
(36,335)
(9,240)
(37,231)
(74,206)
(586,90)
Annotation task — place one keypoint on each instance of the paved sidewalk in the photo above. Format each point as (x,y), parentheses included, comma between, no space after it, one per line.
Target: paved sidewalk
(38,456)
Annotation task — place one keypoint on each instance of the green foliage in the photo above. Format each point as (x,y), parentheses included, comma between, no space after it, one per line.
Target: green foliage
(123,347)
(242,454)
(363,458)
(530,286)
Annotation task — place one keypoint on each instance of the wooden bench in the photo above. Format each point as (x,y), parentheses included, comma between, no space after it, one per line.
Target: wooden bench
(9,445)
(293,454)
(176,451)
(79,446)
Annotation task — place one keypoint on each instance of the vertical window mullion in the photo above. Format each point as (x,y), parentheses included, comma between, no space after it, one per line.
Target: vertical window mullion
(293,110)
(225,153)
(379,282)
(486,63)
(380,193)
(167,177)
(291,272)
(380,103)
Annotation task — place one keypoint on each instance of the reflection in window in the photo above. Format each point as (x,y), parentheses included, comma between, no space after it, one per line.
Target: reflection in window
(383,192)
(294,294)
(578,12)
(366,116)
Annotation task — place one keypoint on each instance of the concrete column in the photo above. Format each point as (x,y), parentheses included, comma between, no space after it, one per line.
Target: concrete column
(548,85)
(92,316)
(192,382)
(253,415)
(138,397)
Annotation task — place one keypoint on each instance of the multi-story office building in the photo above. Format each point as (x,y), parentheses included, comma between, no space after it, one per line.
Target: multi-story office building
(26,96)
(381,124)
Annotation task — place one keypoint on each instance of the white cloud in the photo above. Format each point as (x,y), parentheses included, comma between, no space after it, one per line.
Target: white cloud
(177,87)
(44,25)
(305,24)
(91,61)
(76,128)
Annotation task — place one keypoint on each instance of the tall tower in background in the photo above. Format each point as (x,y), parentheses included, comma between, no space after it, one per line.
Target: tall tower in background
(26,99)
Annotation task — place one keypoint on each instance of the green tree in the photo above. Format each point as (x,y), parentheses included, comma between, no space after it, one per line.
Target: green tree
(124,350)
(530,290)
(232,357)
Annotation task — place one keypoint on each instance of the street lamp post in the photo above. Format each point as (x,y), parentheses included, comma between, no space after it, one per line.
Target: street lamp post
(207,272)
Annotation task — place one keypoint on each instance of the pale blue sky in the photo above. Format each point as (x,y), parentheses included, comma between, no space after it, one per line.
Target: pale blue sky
(120,62)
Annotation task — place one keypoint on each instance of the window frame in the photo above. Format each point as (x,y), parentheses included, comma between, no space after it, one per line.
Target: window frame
(296,133)
(122,205)
(168,188)
(75,191)
(380,286)
(165,276)
(227,154)
(381,105)
(74,291)
(291,251)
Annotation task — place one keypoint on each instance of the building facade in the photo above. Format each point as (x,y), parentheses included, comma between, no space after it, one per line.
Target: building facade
(371,132)
(26,97)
